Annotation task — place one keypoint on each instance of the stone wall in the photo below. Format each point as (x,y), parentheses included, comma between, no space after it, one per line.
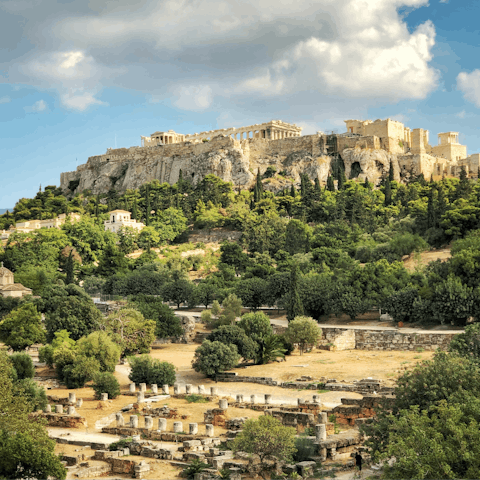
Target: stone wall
(364,339)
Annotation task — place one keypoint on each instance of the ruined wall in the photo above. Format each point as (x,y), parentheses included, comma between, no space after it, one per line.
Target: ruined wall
(384,339)
(450,151)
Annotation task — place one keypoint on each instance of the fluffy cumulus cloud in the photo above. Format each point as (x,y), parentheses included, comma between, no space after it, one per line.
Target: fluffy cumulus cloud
(216,53)
(469,84)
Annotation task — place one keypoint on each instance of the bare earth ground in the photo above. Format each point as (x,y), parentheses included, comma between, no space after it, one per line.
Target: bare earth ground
(423,258)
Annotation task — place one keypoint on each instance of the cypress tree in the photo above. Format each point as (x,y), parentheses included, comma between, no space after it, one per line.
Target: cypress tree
(330,184)
(366,185)
(292,191)
(341,179)
(441,206)
(463,188)
(147,206)
(390,172)
(97,208)
(388,193)
(69,269)
(317,185)
(258,191)
(430,210)
(294,306)
(134,209)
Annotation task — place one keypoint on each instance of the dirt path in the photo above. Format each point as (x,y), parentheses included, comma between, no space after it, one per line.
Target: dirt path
(423,258)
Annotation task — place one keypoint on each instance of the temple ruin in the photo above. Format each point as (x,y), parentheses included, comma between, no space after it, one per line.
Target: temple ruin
(367,149)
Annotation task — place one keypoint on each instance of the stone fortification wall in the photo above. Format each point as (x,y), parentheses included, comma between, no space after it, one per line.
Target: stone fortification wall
(364,339)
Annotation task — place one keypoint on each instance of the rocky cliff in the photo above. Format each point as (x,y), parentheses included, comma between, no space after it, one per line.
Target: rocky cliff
(232,160)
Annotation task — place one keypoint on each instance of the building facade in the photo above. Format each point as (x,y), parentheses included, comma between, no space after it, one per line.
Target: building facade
(119,219)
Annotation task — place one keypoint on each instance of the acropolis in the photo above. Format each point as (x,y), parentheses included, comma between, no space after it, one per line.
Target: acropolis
(367,148)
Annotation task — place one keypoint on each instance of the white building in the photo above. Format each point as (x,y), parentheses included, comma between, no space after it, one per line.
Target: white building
(8,287)
(119,219)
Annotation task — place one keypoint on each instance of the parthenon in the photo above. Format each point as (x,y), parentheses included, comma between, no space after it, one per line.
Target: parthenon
(273,130)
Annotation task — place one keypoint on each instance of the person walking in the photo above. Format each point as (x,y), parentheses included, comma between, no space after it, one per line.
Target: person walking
(358,460)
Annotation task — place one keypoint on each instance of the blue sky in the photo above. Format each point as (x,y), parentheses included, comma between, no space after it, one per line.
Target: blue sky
(76,77)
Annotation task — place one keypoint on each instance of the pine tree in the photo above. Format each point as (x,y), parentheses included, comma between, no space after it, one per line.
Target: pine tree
(390,172)
(330,184)
(294,306)
(69,269)
(388,193)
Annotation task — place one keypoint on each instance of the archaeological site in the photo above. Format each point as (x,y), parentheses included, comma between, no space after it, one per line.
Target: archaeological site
(237,154)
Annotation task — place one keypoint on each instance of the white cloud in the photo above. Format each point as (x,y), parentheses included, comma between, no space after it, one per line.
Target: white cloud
(469,84)
(37,107)
(5,99)
(366,63)
(461,114)
(250,56)
(192,97)
(80,100)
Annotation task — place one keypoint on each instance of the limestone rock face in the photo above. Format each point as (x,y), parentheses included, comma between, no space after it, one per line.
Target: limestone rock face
(231,160)
(374,164)
(188,326)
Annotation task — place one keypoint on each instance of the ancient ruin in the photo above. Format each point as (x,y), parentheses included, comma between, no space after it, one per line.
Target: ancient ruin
(367,149)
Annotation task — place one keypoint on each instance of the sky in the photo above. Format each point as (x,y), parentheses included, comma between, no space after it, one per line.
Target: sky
(78,77)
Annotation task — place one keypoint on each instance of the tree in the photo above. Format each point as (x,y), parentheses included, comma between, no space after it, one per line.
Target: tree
(130,331)
(232,254)
(146,369)
(256,326)
(234,335)
(106,382)
(303,331)
(297,237)
(212,358)
(70,309)
(148,238)
(441,443)
(25,449)
(252,291)
(112,261)
(22,327)
(269,349)
(267,438)
(294,302)
(388,193)
(99,345)
(205,292)
(23,364)
(330,184)
(153,308)
(467,344)
(69,269)
(179,291)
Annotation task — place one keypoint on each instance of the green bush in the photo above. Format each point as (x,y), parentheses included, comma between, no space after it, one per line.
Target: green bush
(196,466)
(23,364)
(121,444)
(145,369)
(34,393)
(195,398)
(45,354)
(106,382)
(305,449)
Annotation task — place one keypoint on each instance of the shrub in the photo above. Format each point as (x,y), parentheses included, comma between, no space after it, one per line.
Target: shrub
(215,357)
(145,369)
(206,318)
(195,398)
(304,332)
(106,382)
(121,444)
(81,371)
(22,362)
(34,393)
(196,466)
(305,449)
(45,354)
